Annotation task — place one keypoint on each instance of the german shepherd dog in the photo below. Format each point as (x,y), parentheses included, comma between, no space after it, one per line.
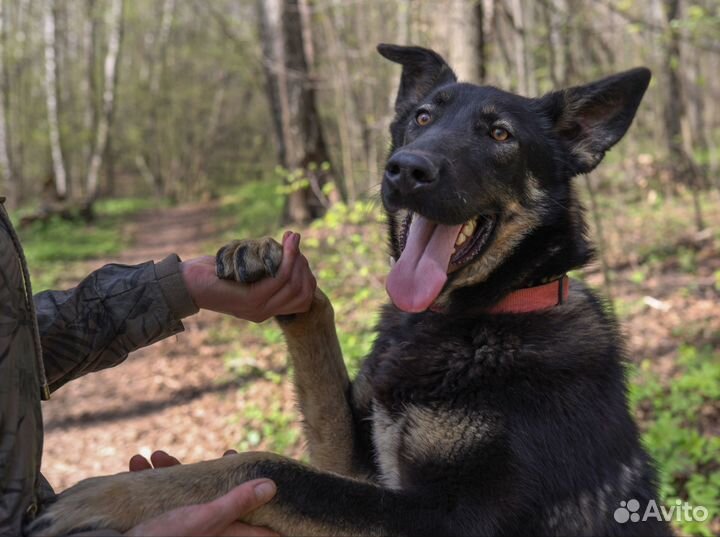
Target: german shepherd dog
(494,400)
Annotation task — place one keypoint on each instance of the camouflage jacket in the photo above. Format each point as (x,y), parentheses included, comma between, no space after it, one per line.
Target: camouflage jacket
(57,336)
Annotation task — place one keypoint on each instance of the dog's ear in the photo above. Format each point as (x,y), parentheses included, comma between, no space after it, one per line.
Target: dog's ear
(591,119)
(423,70)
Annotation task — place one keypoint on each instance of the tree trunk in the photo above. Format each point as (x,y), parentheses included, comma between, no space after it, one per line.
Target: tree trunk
(51,99)
(404,22)
(683,167)
(301,146)
(461,36)
(522,20)
(345,110)
(89,84)
(483,13)
(556,19)
(196,176)
(152,155)
(6,168)
(108,102)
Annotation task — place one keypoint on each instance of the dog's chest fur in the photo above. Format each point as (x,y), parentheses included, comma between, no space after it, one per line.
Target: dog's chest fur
(429,395)
(388,441)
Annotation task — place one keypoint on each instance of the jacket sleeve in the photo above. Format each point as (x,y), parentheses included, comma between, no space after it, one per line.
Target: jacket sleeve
(114,311)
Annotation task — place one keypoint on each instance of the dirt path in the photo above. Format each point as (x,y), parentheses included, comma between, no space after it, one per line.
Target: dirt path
(176,395)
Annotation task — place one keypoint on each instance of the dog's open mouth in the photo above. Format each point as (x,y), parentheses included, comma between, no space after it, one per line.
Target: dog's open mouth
(429,252)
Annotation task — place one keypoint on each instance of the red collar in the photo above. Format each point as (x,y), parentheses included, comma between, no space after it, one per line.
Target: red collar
(536,298)
(529,299)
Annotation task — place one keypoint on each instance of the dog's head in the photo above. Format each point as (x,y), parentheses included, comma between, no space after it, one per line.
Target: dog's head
(478,181)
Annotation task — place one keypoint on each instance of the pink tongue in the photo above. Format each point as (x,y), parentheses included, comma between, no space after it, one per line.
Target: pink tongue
(419,275)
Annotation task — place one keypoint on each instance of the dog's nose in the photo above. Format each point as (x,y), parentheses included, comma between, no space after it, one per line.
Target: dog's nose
(407,171)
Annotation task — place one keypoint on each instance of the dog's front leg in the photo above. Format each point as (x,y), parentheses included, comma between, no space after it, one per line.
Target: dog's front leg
(308,501)
(321,380)
(322,385)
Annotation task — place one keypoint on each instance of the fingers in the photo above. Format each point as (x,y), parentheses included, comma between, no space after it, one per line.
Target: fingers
(235,504)
(160,459)
(291,251)
(297,294)
(138,463)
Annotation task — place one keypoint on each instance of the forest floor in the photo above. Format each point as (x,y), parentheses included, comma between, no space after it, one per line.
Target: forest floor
(223,383)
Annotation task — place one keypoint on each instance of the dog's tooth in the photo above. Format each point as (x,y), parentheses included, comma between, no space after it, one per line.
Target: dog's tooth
(468,229)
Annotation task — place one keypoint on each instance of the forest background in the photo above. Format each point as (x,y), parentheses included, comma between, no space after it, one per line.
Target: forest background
(132,128)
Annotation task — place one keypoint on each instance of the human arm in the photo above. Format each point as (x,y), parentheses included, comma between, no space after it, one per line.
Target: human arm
(118,308)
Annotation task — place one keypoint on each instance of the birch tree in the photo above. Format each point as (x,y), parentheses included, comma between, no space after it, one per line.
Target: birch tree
(108,99)
(51,99)
(150,158)
(89,85)
(6,169)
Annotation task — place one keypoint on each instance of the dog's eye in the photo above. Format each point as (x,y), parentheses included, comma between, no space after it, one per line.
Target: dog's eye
(499,134)
(423,118)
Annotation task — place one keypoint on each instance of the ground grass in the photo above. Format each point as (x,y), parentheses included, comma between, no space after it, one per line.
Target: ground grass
(678,431)
(56,248)
(250,210)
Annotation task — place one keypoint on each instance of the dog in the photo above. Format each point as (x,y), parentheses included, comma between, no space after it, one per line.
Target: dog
(494,400)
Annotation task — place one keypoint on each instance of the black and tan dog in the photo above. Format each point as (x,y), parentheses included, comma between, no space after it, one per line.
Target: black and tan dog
(494,399)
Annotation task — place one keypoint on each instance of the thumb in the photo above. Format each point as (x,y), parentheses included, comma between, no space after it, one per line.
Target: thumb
(239,502)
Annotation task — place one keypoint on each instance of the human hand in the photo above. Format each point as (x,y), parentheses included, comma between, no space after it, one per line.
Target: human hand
(290,291)
(219,517)
(159,459)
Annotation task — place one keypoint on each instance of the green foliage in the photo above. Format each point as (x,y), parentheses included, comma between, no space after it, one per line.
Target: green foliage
(56,248)
(271,427)
(678,432)
(252,209)
(123,207)
(347,249)
(639,276)
(61,240)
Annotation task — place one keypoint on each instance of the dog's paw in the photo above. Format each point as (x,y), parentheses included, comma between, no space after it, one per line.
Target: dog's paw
(249,260)
(92,504)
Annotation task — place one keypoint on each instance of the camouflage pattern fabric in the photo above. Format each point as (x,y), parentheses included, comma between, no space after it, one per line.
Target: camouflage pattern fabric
(58,336)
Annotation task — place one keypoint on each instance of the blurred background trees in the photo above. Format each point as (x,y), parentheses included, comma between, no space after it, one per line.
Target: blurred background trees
(179,98)
(181,124)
